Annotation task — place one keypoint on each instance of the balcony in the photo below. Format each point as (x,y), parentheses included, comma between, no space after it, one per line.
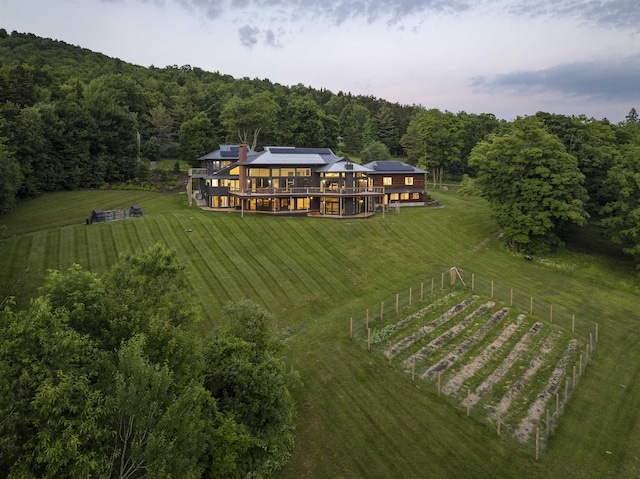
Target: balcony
(198,172)
(306,191)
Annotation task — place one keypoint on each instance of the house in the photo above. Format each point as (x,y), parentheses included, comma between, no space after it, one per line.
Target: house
(291,181)
(404,185)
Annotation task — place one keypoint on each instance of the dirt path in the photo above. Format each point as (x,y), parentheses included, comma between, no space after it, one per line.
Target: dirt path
(449,334)
(446,316)
(523,433)
(444,364)
(471,368)
(503,369)
(535,364)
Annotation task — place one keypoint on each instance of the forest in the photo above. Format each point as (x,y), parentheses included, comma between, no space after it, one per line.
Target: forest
(73,119)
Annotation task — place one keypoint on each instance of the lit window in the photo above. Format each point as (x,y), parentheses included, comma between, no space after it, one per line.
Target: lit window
(404,196)
(415,196)
(393,197)
(408,180)
(387,181)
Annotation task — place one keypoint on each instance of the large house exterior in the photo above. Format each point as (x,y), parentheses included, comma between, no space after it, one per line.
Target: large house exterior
(290,181)
(404,185)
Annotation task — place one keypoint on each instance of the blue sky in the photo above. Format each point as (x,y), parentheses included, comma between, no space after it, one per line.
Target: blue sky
(507,57)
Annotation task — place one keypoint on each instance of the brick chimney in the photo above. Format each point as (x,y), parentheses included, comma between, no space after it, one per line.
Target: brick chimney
(242,158)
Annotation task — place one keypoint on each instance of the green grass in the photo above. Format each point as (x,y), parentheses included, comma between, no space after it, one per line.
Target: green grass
(357,416)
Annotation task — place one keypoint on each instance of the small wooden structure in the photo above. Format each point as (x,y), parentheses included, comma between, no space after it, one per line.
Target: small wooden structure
(101,216)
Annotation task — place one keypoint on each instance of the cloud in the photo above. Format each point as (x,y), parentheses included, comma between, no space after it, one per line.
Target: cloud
(620,14)
(248,35)
(623,14)
(609,80)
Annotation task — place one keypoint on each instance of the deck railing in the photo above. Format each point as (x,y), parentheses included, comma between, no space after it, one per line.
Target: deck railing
(198,172)
(308,191)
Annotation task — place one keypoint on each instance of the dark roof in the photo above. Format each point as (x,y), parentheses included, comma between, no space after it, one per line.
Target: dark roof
(226,152)
(392,167)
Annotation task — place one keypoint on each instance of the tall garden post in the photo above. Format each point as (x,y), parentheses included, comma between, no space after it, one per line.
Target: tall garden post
(421,290)
(491,289)
(432,284)
(368,339)
(547,422)
(511,298)
(573,323)
(410,295)
(580,374)
(397,300)
(531,306)
(442,282)
(557,406)
(473,282)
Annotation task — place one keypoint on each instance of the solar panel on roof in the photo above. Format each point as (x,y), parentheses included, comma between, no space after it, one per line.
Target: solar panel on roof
(392,166)
(300,151)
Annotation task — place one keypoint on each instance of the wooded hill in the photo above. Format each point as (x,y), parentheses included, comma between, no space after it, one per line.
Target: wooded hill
(71,118)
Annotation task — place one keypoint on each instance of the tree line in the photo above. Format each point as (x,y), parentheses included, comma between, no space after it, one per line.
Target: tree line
(71,118)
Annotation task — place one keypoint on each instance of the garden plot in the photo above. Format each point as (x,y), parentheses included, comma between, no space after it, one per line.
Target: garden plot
(498,364)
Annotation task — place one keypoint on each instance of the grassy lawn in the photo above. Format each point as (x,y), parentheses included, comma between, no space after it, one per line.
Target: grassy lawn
(358,416)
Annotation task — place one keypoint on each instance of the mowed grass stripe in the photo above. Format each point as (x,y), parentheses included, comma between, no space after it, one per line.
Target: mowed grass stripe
(273,237)
(261,266)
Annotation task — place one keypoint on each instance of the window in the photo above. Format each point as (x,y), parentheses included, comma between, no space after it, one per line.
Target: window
(404,196)
(303,172)
(393,197)
(387,181)
(408,180)
(415,196)
(287,171)
(235,171)
(258,171)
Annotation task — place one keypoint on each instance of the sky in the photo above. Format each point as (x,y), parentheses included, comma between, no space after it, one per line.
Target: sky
(506,57)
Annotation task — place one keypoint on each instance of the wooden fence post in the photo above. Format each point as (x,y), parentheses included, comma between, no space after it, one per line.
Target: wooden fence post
(491,289)
(410,295)
(580,374)
(421,290)
(573,323)
(511,298)
(442,282)
(557,406)
(473,282)
(432,284)
(531,306)
(547,422)
(351,328)
(397,299)
(368,339)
